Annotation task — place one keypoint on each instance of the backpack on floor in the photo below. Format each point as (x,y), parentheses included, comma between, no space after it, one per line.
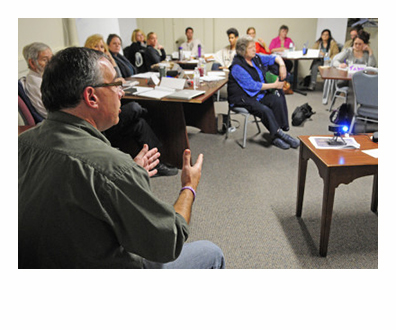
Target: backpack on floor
(301,113)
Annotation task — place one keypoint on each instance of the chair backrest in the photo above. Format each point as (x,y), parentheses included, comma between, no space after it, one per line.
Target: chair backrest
(21,92)
(365,86)
(25,112)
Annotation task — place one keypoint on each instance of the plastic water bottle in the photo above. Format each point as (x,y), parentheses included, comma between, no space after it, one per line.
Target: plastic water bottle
(196,78)
(327,60)
(180,54)
(305,49)
(201,66)
(199,51)
(291,47)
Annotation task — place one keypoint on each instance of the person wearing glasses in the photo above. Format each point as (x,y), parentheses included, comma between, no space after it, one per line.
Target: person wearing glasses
(37,55)
(248,87)
(359,53)
(85,204)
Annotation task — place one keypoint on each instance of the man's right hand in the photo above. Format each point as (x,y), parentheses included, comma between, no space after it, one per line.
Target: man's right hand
(191,175)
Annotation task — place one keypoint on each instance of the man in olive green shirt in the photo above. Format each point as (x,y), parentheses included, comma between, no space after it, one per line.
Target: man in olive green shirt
(84,204)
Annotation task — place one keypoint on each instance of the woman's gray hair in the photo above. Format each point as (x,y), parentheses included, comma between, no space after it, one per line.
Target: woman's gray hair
(32,51)
(242,44)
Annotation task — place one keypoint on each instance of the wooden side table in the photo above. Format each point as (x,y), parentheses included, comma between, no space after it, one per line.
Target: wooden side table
(335,167)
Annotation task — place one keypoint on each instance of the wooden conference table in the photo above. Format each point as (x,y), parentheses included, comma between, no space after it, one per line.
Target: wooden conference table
(336,167)
(170,117)
(333,73)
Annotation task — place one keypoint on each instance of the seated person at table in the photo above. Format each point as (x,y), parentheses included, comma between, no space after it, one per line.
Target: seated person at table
(192,44)
(353,34)
(85,204)
(132,124)
(247,88)
(97,42)
(115,45)
(224,57)
(359,53)
(281,43)
(155,53)
(37,55)
(133,52)
(261,47)
(326,45)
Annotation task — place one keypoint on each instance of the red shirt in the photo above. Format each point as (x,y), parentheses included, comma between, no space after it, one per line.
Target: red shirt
(261,49)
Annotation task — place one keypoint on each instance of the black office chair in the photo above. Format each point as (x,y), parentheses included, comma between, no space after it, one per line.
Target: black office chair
(365,86)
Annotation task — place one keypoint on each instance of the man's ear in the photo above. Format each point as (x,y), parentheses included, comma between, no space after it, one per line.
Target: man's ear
(90,97)
(32,65)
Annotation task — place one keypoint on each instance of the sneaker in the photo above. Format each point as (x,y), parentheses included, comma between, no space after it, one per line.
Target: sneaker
(165,170)
(293,142)
(280,143)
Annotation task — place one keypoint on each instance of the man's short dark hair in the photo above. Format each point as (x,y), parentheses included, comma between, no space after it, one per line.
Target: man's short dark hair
(66,76)
(189,28)
(233,31)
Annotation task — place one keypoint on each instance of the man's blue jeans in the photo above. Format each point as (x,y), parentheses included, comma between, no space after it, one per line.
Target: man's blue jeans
(195,255)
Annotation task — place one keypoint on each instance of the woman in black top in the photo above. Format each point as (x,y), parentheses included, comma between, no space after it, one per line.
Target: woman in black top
(134,52)
(115,45)
(155,53)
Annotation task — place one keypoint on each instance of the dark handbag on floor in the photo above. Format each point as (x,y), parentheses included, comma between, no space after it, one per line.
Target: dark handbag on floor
(301,113)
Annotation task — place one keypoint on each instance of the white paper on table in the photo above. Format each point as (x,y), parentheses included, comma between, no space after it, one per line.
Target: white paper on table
(371,152)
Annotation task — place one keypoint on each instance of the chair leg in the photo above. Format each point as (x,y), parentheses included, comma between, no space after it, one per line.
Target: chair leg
(351,125)
(228,122)
(257,124)
(245,130)
(333,101)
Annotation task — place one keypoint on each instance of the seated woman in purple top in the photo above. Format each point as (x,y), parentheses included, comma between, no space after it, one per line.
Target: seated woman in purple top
(247,88)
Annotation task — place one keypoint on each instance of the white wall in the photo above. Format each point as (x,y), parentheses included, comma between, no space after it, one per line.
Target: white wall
(59,33)
(337,26)
(89,26)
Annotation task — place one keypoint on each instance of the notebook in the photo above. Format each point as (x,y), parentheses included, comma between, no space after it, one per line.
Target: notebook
(185,94)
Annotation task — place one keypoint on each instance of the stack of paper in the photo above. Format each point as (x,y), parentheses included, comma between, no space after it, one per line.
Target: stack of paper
(166,87)
(322,142)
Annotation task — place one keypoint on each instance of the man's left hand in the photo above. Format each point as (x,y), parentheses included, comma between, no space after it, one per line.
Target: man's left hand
(148,159)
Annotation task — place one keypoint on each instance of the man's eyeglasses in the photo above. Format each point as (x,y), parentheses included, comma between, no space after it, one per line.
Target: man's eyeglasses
(116,83)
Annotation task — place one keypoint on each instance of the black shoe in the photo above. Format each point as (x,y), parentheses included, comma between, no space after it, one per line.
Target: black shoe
(165,170)
(293,142)
(311,87)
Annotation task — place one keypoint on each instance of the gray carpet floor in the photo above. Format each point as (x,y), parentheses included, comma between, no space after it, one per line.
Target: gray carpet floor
(246,201)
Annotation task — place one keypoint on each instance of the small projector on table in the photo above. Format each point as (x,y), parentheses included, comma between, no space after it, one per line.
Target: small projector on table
(337,140)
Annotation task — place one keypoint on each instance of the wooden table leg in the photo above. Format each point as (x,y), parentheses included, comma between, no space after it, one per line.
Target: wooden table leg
(168,123)
(374,196)
(201,116)
(302,174)
(327,212)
